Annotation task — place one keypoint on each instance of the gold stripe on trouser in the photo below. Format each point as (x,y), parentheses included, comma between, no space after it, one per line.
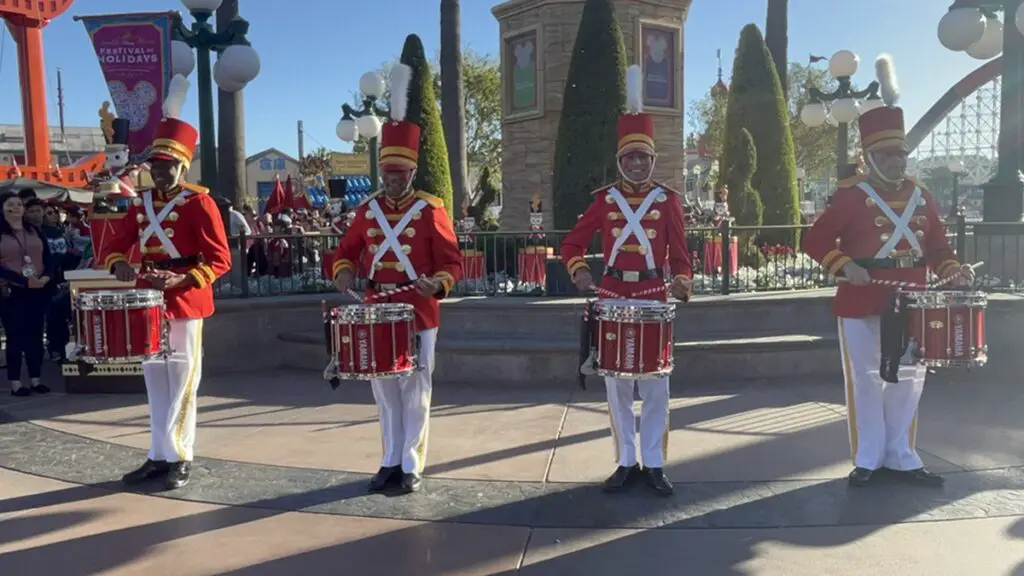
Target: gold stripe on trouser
(186,400)
(851,402)
(913,430)
(668,428)
(421,445)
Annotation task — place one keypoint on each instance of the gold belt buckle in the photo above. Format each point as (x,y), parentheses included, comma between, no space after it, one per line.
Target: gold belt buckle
(632,276)
(386,287)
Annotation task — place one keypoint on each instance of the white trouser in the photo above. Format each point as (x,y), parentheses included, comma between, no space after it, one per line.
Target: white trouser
(171,386)
(403,405)
(654,425)
(882,416)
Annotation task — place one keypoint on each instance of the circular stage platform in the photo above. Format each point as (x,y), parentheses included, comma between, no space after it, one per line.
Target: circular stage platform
(511,486)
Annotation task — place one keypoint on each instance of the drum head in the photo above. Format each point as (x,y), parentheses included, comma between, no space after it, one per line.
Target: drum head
(371,313)
(634,310)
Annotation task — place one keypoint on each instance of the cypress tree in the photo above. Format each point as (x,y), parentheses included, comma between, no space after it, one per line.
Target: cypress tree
(432,174)
(744,202)
(595,95)
(756,104)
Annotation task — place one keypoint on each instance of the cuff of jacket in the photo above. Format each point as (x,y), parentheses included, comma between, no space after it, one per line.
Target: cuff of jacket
(112,259)
(946,268)
(339,265)
(834,261)
(203,275)
(447,282)
(576,263)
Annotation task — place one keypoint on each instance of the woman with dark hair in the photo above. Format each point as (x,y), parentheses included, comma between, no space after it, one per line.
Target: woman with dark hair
(26,268)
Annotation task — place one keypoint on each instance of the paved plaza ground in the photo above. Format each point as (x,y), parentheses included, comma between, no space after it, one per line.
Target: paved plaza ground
(278,486)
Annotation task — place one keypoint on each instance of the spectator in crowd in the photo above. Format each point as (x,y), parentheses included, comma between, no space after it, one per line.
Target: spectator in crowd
(65,257)
(26,268)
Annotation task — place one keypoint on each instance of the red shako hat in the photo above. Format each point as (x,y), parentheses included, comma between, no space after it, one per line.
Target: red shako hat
(635,129)
(400,139)
(174,139)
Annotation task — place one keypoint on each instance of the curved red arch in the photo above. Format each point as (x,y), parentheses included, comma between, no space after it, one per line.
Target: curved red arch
(951,99)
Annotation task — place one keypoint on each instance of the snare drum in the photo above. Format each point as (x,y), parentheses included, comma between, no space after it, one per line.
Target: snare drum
(634,338)
(120,326)
(371,341)
(946,328)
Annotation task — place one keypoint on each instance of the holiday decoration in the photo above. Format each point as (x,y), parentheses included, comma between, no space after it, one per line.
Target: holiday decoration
(533,258)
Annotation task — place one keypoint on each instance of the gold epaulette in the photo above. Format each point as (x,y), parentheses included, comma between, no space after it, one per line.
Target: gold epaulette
(370,197)
(667,189)
(918,183)
(430,199)
(852,181)
(195,188)
(601,189)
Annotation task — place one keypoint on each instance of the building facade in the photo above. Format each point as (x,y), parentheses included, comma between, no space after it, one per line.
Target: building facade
(537,40)
(261,171)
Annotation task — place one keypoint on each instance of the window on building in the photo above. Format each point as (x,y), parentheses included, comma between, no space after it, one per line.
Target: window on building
(266,164)
(279,164)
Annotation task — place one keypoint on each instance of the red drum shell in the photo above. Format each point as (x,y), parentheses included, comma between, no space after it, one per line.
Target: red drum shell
(120,325)
(373,341)
(634,339)
(948,327)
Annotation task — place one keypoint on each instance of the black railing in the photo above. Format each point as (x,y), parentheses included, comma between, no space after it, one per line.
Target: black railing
(754,259)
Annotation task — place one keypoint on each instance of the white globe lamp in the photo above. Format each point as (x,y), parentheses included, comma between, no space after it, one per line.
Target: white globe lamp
(372,85)
(368,126)
(956,166)
(347,130)
(845,110)
(813,114)
(240,63)
(843,64)
(183,60)
(223,81)
(204,6)
(990,44)
(960,28)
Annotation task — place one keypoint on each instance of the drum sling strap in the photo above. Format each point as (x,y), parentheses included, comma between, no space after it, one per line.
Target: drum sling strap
(893,339)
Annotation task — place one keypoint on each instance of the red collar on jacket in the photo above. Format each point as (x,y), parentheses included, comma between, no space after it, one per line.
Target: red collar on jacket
(402,202)
(627,187)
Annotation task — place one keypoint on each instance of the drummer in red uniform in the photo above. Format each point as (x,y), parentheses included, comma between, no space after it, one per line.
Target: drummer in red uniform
(641,227)
(888,228)
(404,237)
(184,250)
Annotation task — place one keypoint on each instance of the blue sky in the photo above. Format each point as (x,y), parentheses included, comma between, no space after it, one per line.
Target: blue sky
(313,53)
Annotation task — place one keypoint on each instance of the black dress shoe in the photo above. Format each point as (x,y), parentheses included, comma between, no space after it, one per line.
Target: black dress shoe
(622,478)
(922,476)
(149,470)
(860,477)
(21,392)
(656,479)
(386,477)
(41,389)
(178,475)
(411,483)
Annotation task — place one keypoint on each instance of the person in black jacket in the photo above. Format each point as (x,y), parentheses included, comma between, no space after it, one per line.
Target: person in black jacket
(47,218)
(26,270)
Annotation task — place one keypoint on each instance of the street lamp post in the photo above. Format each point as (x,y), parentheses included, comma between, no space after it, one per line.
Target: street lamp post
(957,170)
(365,122)
(237,65)
(971,26)
(844,106)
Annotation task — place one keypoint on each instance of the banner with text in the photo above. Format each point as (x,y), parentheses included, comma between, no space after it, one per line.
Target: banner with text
(134,51)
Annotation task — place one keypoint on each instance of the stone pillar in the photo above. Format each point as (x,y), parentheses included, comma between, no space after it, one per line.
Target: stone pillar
(529,131)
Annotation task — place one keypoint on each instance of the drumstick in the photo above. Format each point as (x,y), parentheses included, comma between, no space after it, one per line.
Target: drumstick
(917,285)
(354,294)
(388,293)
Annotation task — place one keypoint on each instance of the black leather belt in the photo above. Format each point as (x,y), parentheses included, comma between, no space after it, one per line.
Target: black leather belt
(890,263)
(170,263)
(634,275)
(378,287)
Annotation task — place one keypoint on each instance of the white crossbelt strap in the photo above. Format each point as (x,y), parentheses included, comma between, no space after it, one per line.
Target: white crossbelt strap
(391,243)
(901,222)
(634,226)
(155,227)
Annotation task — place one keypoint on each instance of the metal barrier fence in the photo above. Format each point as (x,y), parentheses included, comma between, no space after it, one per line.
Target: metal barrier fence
(755,258)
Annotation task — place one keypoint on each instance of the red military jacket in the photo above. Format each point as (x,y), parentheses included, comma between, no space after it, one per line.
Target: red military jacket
(655,215)
(855,227)
(423,244)
(185,223)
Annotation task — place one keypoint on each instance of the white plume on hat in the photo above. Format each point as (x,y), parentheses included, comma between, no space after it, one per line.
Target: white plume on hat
(401,79)
(175,99)
(885,71)
(634,89)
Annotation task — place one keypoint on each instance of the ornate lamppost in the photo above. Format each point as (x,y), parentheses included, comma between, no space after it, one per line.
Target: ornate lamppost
(845,104)
(972,26)
(365,122)
(957,170)
(237,65)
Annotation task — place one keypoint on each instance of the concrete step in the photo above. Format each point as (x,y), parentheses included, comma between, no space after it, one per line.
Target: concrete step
(511,360)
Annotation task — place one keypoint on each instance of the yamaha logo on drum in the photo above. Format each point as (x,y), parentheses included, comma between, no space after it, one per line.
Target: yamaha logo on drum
(629,348)
(363,349)
(958,336)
